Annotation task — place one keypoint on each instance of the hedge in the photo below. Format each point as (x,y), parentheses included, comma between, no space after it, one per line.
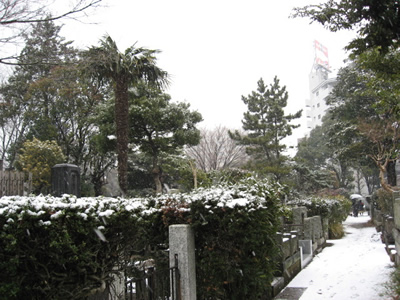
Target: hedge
(334,208)
(68,247)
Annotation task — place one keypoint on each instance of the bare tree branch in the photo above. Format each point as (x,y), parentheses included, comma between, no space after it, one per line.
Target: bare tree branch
(16,15)
(217,151)
(22,11)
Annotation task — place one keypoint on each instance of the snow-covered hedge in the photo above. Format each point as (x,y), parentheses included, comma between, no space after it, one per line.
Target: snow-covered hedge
(335,208)
(68,247)
(65,248)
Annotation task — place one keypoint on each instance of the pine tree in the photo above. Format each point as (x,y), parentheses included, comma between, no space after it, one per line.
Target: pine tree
(266,125)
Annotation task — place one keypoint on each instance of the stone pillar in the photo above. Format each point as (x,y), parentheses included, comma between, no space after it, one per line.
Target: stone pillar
(396,210)
(181,243)
(308,229)
(299,214)
(396,229)
(65,179)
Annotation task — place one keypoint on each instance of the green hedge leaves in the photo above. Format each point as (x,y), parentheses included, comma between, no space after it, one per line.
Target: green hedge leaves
(68,247)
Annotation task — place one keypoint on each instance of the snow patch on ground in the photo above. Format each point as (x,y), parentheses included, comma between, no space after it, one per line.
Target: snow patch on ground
(354,267)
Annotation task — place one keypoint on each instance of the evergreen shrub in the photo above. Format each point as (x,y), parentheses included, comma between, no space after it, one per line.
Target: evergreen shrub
(384,201)
(68,247)
(335,208)
(235,228)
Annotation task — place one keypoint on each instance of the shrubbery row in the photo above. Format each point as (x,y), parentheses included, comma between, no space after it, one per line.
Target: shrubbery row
(68,248)
(334,208)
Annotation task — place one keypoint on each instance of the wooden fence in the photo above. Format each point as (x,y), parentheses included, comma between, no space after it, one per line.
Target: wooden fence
(13,183)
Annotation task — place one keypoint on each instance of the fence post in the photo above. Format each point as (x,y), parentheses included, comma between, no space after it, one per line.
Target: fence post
(181,242)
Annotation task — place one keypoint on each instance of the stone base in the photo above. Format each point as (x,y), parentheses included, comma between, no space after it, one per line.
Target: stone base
(292,266)
(291,293)
(277,285)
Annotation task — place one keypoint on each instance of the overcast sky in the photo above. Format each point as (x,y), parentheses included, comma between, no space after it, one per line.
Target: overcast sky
(217,50)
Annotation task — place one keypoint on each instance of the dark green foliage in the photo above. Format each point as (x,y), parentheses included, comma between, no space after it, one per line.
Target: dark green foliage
(365,110)
(392,288)
(377,22)
(123,70)
(336,209)
(265,126)
(47,97)
(229,176)
(236,250)
(329,164)
(64,259)
(29,93)
(383,201)
(160,127)
(68,248)
(308,180)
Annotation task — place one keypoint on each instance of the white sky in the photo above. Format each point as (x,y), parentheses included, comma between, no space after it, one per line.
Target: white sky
(216,51)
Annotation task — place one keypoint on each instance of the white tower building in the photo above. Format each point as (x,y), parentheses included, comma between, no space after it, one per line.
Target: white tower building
(320,86)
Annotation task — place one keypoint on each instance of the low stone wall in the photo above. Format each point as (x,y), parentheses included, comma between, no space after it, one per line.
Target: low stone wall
(299,242)
(314,231)
(313,228)
(394,251)
(290,254)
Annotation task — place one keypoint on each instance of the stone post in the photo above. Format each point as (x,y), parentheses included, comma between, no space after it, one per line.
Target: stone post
(181,243)
(396,229)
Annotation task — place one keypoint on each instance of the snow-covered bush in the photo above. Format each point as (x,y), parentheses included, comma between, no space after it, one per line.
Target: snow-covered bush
(334,208)
(68,247)
(65,248)
(235,230)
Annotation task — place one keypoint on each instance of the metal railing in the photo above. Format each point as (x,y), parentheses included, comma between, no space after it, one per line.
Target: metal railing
(155,284)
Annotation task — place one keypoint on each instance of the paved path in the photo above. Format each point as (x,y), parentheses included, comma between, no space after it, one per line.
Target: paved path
(354,267)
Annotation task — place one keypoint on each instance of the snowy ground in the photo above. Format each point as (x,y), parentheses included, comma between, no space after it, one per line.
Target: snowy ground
(354,267)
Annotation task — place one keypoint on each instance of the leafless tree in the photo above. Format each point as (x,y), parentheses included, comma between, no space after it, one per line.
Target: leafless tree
(16,15)
(217,151)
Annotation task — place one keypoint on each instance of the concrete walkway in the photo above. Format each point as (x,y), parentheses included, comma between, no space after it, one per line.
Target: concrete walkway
(354,267)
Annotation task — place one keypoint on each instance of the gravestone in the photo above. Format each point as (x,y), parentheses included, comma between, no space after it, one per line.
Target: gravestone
(65,179)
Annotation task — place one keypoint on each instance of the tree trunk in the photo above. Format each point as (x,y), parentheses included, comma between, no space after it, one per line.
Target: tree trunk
(97,181)
(122,131)
(384,184)
(391,173)
(194,172)
(157,180)
(157,172)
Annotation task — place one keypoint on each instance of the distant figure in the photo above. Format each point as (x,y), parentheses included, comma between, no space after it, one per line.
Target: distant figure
(356,207)
(360,207)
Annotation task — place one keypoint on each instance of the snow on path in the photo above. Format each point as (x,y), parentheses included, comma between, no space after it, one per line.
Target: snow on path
(354,267)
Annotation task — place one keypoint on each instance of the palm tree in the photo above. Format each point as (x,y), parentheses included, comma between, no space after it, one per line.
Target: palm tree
(123,70)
